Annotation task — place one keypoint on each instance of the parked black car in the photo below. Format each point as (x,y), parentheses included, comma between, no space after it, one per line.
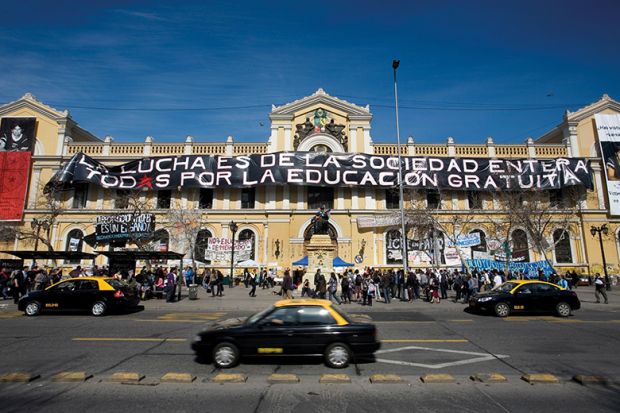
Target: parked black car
(526,296)
(289,328)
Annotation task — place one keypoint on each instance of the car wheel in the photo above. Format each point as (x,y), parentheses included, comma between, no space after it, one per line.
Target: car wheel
(33,308)
(225,355)
(563,309)
(502,310)
(337,355)
(99,308)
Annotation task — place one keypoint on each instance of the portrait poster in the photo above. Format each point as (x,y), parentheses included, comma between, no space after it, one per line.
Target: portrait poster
(17,134)
(608,129)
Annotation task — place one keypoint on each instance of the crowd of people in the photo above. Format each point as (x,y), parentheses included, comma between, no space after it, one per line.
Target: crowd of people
(360,286)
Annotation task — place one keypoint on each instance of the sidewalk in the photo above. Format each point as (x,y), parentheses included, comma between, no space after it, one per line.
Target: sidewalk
(237,299)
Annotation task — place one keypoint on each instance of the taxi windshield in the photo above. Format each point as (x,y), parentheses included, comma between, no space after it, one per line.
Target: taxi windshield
(505,287)
(254,318)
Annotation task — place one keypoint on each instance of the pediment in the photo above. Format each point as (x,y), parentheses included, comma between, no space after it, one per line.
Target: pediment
(28,101)
(320,97)
(605,102)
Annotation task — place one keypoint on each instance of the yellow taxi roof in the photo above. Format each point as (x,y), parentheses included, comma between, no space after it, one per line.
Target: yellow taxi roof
(303,301)
(523,282)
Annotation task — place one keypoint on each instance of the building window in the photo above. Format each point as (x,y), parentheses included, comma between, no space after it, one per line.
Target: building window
(122,199)
(393,249)
(392,199)
(556,200)
(205,201)
(433,199)
(163,198)
(247,234)
(561,240)
(474,200)
(520,246)
(80,195)
(320,197)
(248,197)
(74,243)
(480,250)
(200,246)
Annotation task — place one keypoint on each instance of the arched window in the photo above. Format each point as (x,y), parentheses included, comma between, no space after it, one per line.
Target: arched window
(200,246)
(393,249)
(520,247)
(561,240)
(480,250)
(74,243)
(247,234)
(161,239)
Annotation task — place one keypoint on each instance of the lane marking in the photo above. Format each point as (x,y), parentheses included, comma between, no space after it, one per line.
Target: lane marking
(403,321)
(151,320)
(425,341)
(481,357)
(176,340)
(461,321)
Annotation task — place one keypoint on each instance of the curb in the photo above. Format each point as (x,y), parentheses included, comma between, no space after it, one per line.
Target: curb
(334,378)
(126,377)
(489,378)
(540,378)
(18,377)
(386,379)
(283,378)
(437,378)
(229,378)
(177,378)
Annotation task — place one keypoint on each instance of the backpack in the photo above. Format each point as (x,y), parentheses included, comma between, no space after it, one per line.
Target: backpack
(358,279)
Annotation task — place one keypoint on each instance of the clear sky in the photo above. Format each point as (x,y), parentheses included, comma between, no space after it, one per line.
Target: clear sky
(469,69)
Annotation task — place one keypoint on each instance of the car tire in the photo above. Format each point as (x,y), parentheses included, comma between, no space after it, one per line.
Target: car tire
(502,310)
(99,308)
(225,355)
(563,309)
(337,355)
(32,309)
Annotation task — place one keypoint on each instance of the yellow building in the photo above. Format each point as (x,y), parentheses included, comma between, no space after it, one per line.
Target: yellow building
(277,218)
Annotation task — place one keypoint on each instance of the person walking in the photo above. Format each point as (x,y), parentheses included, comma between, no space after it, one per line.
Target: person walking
(345,284)
(322,287)
(287,285)
(253,281)
(599,289)
(443,285)
(4,283)
(385,288)
(332,288)
(169,285)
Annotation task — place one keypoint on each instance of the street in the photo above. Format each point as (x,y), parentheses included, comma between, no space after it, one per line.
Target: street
(417,339)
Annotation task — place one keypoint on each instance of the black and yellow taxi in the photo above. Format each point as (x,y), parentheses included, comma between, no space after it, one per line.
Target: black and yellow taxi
(305,327)
(528,297)
(98,295)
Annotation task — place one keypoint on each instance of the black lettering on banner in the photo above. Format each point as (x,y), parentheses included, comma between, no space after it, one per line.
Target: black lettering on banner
(327,169)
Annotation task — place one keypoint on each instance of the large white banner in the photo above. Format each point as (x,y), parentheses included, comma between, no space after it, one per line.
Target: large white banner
(608,128)
(219,249)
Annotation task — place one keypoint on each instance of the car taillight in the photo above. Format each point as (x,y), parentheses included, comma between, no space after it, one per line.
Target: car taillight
(119,294)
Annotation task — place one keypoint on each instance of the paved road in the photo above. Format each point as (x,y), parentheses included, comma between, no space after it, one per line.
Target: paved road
(418,338)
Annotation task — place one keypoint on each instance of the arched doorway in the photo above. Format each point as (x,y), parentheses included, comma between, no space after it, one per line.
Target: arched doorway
(248,234)
(74,243)
(200,246)
(520,246)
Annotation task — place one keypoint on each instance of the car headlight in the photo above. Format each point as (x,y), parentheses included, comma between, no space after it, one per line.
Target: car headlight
(484,299)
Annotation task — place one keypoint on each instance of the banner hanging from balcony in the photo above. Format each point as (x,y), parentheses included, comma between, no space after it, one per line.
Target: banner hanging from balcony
(17,137)
(123,227)
(326,169)
(608,128)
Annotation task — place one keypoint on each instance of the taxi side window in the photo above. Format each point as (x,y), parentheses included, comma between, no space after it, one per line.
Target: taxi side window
(66,286)
(544,288)
(315,316)
(286,316)
(87,285)
(526,289)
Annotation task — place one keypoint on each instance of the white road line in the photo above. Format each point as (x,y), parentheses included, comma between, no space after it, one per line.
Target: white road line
(481,357)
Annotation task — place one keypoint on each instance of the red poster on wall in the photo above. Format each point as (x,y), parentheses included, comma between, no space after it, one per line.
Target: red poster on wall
(14,173)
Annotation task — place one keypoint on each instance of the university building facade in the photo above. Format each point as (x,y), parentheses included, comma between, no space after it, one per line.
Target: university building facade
(277,218)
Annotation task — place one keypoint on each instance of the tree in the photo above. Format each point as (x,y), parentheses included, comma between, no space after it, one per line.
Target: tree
(184,224)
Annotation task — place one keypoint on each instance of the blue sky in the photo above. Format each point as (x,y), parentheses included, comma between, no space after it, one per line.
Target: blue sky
(469,69)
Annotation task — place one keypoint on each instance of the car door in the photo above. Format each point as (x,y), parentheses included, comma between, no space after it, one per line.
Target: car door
(61,296)
(317,328)
(86,293)
(523,298)
(546,297)
(273,334)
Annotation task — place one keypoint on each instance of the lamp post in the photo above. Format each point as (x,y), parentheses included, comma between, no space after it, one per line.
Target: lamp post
(604,230)
(233,228)
(395,64)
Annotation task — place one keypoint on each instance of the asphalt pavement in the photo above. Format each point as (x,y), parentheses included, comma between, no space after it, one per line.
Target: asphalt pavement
(418,339)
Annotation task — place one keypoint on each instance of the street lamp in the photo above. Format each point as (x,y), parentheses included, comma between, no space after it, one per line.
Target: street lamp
(395,64)
(604,230)
(233,228)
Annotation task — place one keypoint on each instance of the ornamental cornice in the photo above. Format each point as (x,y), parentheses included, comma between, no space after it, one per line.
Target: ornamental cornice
(605,102)
(320,96)
(28,101)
